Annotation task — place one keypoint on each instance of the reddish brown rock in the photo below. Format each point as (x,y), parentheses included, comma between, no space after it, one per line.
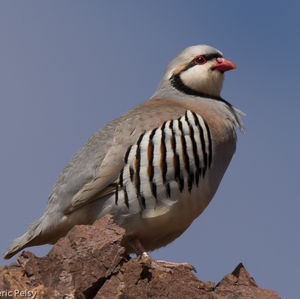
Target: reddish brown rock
(241,285)
(91,263)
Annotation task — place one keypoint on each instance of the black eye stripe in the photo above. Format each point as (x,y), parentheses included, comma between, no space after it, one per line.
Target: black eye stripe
(207,57)
(212,56)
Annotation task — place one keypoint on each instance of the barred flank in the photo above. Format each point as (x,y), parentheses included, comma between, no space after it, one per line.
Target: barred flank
(180,150)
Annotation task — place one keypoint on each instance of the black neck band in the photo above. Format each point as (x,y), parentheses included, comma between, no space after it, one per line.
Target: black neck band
(178,84)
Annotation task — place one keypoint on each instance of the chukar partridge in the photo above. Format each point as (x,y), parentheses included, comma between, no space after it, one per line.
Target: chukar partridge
(156,167)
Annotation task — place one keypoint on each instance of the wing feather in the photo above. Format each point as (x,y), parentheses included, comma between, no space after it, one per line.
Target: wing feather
(126,133)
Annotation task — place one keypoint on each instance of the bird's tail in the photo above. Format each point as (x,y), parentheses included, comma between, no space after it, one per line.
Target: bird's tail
(27,239)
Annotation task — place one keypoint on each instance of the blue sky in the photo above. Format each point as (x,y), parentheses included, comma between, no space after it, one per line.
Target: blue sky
(68,67)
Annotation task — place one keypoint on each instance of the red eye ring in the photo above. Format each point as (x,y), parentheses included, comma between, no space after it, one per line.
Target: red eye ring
(200,60)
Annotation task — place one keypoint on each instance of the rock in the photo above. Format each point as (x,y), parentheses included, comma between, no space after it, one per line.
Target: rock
(89,262)
(242,285)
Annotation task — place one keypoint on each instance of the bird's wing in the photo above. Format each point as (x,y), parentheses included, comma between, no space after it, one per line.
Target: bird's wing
(130,126)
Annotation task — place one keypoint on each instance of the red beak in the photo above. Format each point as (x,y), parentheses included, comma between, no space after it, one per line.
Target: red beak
(223,65)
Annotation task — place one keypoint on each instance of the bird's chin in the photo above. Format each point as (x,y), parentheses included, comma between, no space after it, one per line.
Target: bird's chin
(217,71)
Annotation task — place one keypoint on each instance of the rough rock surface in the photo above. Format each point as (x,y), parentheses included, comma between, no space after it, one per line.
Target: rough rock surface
(91,263)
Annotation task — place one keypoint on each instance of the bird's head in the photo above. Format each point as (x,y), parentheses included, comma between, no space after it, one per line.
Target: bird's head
(197,70)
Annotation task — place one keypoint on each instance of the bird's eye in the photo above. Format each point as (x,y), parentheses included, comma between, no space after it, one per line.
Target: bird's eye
(200,60)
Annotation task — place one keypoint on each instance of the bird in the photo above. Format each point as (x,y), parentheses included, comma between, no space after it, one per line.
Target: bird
(155,168)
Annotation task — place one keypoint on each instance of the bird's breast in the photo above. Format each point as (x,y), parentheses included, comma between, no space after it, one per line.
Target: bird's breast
(169,166)
(168,178)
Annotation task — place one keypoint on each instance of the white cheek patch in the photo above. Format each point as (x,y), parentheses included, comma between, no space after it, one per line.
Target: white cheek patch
(194,77)
(201,79)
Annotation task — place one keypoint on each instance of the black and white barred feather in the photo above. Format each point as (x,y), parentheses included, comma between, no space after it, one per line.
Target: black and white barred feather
(179,151)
